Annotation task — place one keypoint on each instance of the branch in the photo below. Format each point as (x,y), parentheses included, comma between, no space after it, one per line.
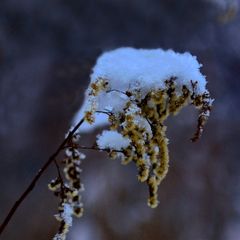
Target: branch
(36,178)
(99,149)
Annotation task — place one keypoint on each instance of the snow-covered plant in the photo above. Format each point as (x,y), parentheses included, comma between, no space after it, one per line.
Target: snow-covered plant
(68,191)
(137,89)
(132,91)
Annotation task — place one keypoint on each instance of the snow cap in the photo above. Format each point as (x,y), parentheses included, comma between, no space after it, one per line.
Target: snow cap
(128,68)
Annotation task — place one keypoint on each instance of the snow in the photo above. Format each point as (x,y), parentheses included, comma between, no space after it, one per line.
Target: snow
(112,140)
(149,67)
(128,68)
(67,214)
(143,123)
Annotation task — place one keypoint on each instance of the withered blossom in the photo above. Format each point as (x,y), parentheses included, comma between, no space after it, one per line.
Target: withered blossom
(136,91)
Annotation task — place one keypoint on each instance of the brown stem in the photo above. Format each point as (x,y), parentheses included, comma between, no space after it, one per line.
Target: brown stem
(58,171)
(36,178)
(98,149)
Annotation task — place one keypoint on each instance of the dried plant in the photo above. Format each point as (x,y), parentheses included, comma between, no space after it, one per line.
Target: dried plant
(136,116)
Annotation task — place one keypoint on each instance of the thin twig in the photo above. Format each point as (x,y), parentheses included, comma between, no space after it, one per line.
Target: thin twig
(60,179)
(36,178)
(115,90)
(58,171)
(99,149)
(105,112)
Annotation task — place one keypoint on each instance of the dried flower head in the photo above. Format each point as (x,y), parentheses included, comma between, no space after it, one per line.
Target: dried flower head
(68,188)
(137,90)
(134,92)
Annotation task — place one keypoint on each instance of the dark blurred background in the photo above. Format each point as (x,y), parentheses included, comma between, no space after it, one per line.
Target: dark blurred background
(47,49)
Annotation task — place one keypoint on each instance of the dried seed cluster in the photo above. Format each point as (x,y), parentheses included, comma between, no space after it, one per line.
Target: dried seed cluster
(142,122)
(135,89)
(95,88)
(69,190)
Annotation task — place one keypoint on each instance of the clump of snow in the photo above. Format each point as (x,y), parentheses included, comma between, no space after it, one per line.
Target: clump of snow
(135,91)
(112,140)
(67,214)
(149,67)
(66,217)
(128,69)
